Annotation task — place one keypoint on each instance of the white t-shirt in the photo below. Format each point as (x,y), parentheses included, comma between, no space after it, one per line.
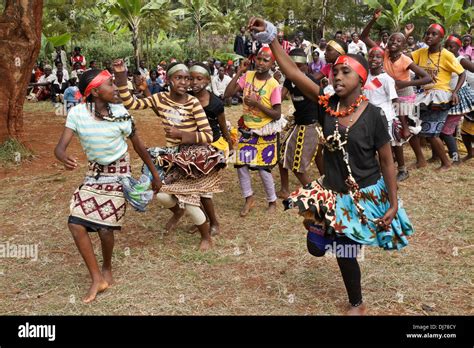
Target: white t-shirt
(383,95)
(218,85)
(51,78)
(65,73)
(355,48)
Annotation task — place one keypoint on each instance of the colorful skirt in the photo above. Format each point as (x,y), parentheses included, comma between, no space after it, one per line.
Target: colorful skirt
(300,147)
(257,152)
(100,202)
(406,107)
(339,216)
(434,108)
(466,102)
(188,171)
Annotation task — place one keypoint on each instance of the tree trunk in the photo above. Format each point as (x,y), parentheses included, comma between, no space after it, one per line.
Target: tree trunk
(20,43)
(136,50)
(322,19)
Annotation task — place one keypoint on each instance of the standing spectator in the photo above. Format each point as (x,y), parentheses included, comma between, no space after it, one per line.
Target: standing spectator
(217,66)
(60,67)
(284,43)
(78,57)
(108,66)
(59,55)
(322,50)
(240,43)
(338,35)
(154,83)
(316,65)
(305,44)
(384,34)
(411,44)
(467,50)
(357,46)
(219,83)
(77,71)
(142,69)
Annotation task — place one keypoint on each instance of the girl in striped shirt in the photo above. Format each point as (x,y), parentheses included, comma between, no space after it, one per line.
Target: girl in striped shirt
(98,205)
(191,164)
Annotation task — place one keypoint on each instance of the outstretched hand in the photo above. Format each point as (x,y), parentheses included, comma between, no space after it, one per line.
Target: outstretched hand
(257,24)
(409,28)
(377,13)
(119,66)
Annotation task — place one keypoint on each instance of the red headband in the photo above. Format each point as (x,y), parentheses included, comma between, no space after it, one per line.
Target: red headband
(454,39)
(377,48)
(268,50)
(97,82)
(354,64)
(437,27)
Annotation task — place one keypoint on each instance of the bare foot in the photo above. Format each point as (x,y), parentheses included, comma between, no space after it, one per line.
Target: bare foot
(433,160)
(421,164)
(107,274)
(283,194)
(443,168)
(173,221)
(466,158)
(215,230)
(359,310)
(205,245)
(271,208)
(249,204)
(96,288)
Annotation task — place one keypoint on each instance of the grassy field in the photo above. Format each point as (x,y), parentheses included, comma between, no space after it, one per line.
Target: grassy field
(259,264)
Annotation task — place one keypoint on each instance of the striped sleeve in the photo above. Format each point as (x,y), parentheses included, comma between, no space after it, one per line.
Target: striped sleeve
(204,131)
(129,101)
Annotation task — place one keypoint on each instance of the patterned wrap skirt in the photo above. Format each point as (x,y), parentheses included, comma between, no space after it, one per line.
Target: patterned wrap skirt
(434,108)
(300,147)
(188,171)
(100,202)
(257,152)
(339,216)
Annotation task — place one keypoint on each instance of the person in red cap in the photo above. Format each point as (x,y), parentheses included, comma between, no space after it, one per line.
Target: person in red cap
(103,126)
(338,211)
(258,145)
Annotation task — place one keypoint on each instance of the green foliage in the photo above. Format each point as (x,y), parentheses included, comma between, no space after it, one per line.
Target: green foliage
(398,12)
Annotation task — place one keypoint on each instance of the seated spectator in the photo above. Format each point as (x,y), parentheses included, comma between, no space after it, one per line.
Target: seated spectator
(92,65)
(60,66)
(137,80)
(142,69)
(72,96)
(154,82)
(59,85)
(219,84)
(77,71)
(44,85)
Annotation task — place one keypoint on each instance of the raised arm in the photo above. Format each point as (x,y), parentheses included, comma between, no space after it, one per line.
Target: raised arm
(129,100)
(287,66)
(233,86)
(365,35)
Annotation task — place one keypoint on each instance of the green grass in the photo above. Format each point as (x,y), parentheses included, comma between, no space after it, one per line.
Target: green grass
(9,151)
(259,264)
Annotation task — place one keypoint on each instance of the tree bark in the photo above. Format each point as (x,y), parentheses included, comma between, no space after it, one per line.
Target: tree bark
(20,43)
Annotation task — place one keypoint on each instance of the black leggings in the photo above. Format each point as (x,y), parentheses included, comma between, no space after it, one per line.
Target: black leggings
(350,272)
